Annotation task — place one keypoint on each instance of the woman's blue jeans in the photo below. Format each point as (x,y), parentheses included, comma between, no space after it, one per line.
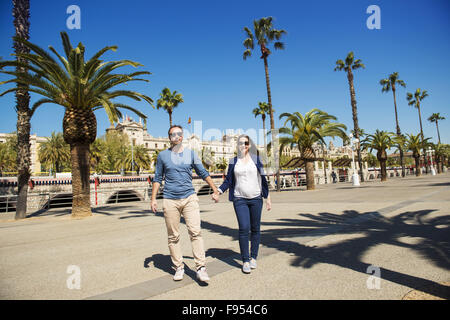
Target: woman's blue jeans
(248,213)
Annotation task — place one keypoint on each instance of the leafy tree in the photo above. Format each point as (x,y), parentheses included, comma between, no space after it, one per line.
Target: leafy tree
(348,66)
(8,154)
(81,87)
(54,152)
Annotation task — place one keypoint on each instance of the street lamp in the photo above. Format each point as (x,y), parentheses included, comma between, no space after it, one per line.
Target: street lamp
(355,176)
(430,157)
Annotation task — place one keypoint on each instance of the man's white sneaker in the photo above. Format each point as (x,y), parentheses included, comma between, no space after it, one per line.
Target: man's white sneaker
(253,263)
(202,275)
(246,267)
(179,274)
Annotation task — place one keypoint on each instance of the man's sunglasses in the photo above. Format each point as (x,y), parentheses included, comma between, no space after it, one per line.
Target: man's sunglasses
(242,143)
(174,134)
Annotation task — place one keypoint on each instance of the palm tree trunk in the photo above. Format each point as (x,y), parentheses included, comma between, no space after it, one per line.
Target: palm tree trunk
(421,136)
(417,161)
(170,118)
(402,162)
(264,130)
(80,157)
(383,170)
(272,124)
(21,14)
(355,120)
(309,168)
(437,128)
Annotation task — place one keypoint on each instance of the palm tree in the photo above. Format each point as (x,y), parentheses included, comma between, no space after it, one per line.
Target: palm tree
(415,100)
(169,101)
(80,87)
(435,117)
(140,157)
(305,131)
(54,152)
(416,143)
(264,34)
(380,141)
(390,84)
(347,66)
(262,110)
(21,14)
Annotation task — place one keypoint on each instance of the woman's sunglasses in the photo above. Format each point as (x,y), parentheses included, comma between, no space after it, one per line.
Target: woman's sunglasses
(242,143)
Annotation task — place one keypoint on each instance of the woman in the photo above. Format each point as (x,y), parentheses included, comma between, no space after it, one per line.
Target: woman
(248,185)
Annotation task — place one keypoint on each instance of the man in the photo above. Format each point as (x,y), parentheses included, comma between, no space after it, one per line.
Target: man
(174,166)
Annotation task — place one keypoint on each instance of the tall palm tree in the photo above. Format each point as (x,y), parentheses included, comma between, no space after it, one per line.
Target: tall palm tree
(389,84)
(380,141)
(416,143)
(435,117)
(169,101)
(415,100)
(305,131)
(21,14)
(263,34)
(348,66)
(262,110)
(80,87)
(54,152)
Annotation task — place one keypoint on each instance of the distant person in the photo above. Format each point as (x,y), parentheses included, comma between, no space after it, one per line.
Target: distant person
(174,166)
(334,176)
(248,185)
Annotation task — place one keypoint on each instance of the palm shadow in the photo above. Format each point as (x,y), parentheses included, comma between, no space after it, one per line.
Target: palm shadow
(431,235)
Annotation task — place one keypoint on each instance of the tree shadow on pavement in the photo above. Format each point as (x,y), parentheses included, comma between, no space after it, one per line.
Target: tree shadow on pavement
(431,237)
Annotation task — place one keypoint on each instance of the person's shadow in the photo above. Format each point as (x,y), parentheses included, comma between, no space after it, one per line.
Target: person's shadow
(164,263)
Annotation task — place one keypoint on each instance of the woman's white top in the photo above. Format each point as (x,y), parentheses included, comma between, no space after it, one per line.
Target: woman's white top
(248,180)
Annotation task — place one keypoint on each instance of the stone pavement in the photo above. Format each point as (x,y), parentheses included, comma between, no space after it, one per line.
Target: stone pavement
(376,241)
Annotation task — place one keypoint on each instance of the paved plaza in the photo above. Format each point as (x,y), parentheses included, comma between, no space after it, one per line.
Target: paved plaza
(376,241)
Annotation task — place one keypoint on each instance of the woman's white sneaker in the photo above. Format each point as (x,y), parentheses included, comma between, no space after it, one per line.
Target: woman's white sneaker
(246,267)
(253,263)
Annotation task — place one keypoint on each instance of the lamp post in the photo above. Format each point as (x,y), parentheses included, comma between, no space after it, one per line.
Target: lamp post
(355,176)
(430,157)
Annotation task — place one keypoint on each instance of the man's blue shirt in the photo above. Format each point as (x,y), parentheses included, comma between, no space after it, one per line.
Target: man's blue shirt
(176,171)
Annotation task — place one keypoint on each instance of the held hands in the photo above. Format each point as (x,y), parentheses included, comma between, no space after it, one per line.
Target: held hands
(215,196)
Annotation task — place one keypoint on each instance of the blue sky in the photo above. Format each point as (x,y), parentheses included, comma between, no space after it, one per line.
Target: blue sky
(195,47)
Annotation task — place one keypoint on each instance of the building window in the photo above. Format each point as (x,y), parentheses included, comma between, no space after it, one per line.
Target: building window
(156,146)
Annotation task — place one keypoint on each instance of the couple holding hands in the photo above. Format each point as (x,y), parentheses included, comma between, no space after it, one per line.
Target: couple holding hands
(247,185)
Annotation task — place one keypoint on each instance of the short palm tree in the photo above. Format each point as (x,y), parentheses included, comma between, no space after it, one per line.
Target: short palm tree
(389,84)
(263,34)
(8,154)
(348,66)
(140,157)
(380,141)
(262,110)
(80,86)
(416,143)
(435,117)
(54,152)
(168,101)
(306,130)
